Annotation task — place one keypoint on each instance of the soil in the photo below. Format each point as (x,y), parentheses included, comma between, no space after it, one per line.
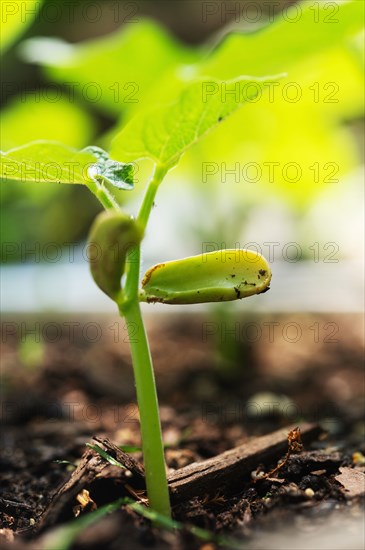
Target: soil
(217,392)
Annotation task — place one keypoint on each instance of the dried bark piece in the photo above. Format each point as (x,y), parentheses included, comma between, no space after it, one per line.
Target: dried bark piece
(91,466)
(129,462)
(353,482)
(228,470)
(295,445)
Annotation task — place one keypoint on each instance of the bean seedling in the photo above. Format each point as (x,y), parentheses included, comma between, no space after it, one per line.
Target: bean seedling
(162,135)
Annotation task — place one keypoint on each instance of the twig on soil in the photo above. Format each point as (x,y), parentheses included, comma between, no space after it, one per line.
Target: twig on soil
(120,456)
(295,445)
(227,469)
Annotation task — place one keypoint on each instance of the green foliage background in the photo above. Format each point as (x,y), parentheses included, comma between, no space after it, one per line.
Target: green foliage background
(140,67)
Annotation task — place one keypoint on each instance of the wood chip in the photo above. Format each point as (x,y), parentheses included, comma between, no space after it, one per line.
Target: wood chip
(128,461)
(225,472)
(353,482)
(228,470)
(92,466)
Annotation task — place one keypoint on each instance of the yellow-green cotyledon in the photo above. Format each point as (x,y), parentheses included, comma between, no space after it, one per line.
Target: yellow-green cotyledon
(219,276)
(111,236)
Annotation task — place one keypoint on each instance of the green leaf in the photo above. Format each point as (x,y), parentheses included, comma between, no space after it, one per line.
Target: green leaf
(16,16)
(130,448)
(105,455)
(115,71)
(63,537)
(111,236)
(106,170)
(46,161)
(198,532)
(297,149)
(33,117)
(301,31)
(218,276)
(165,133)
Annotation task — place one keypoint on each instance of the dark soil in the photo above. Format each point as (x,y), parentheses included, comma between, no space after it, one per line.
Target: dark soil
(216,392)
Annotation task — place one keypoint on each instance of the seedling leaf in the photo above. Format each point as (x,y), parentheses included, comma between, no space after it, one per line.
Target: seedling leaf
(105,455)
(165,133)
(65,536)
(218,276)
(48,161)
(111,236)
(62,538)
(127,65)
(266,50)
(130,448)
(106,170)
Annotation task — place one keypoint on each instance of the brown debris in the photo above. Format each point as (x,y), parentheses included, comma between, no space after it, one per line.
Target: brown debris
(353,481)
(86,503)
(122,457)
(295,445)
(91,467)
(229,469)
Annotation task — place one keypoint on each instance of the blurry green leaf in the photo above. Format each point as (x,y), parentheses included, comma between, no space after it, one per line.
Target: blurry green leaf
(114,72)
(130,448)
(16,16)
(31,353)
(165,133)
(63,537)
(294,146)
(332,82)
(218,276)
(306,29)
(34,117)
(45,161)
(111,237)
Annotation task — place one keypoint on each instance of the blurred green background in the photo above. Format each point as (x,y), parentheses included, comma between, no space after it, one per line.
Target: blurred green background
(76,72)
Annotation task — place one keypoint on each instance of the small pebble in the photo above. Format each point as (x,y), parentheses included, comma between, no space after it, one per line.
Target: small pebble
(257,475)
(32,521)
(309,492)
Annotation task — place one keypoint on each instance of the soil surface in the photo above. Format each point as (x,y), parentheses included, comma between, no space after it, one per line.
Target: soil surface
(222,383)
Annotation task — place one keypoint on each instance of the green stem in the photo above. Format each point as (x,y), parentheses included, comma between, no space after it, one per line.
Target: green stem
(145,210)
(129,308)
(131,288)
(103,195)
(153,454)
